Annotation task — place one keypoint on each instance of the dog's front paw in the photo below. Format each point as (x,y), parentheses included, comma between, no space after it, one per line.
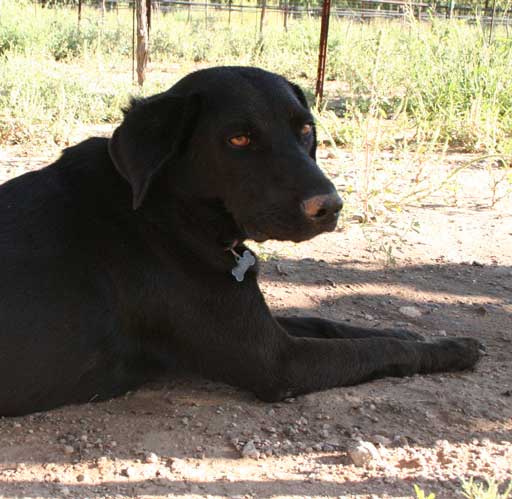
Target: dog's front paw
(457,354)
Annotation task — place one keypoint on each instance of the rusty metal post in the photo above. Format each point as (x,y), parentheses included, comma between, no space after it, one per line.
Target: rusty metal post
(322,51)
(148,14)
(142,40)
(262,17)
(133,41)
(79,12)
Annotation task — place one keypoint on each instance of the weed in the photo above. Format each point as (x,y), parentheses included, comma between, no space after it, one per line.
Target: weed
(420,494)
(474,490)
(490,490)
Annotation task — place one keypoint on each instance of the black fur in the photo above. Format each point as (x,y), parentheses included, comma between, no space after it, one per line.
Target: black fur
(114,265)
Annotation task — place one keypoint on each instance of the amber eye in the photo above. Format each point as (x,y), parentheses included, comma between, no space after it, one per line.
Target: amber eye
(240,141)
(306,129)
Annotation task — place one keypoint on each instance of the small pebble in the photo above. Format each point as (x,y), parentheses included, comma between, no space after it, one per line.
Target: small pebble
(363,453)
(410,311)
(249,450)
(151,458)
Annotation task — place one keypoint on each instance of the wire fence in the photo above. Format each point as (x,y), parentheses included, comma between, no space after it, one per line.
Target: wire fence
(280,13)
(271,10)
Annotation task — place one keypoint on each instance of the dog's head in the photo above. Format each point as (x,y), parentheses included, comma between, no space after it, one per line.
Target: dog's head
(241,136)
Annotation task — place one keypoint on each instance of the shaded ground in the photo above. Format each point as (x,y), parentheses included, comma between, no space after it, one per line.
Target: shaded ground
(184,438)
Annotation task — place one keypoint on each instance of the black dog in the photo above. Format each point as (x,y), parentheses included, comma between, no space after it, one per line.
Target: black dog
(125,258)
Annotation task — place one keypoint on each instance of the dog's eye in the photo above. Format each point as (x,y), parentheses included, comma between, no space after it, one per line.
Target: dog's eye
(306,129)
(240,141)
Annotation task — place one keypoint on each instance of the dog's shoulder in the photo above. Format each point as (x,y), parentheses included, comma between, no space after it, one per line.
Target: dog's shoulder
(93,147)
(83,158)
(86,171)
(52,203)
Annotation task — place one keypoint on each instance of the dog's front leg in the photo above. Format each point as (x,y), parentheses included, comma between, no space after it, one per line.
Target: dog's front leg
(267,360)
(290,356)
(311,364)
(313,327)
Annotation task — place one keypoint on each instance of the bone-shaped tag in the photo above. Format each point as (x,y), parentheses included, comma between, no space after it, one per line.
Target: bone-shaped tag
(242,264)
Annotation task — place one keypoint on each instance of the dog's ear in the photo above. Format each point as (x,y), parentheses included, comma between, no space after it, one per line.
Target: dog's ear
(154,130)
(302,99)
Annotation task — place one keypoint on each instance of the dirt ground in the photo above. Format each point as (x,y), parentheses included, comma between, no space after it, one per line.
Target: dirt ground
(190,438)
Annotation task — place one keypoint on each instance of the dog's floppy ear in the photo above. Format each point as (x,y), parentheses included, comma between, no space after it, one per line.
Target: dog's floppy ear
(302,99)
(152,133)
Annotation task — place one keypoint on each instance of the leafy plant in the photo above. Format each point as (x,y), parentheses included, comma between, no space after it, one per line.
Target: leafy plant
(420,494)
(490,490)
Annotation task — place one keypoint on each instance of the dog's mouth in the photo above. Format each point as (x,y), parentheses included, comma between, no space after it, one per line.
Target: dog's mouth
(289,232)
(256,235)
(278,224)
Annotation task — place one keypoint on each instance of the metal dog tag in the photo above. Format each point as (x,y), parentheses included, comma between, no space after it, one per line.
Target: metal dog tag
(242,264)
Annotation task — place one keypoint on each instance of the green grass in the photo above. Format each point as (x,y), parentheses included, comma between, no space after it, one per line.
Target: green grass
(490,490)
(410,81)
(475,490)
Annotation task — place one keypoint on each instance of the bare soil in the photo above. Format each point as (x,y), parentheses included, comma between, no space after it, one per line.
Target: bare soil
(185,438)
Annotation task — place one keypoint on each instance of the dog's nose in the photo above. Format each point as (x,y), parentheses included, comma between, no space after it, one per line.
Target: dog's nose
(322,206)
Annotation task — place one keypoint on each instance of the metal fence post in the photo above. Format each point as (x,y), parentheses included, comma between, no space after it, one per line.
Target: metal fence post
(322,52)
